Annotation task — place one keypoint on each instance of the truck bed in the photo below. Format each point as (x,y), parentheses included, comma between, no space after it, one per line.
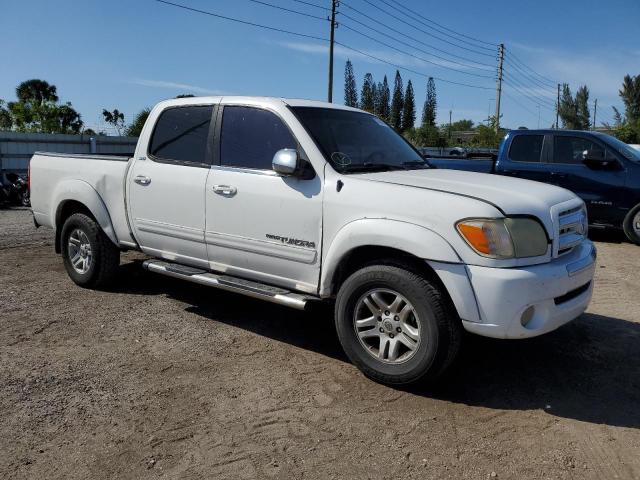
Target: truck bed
(55,177)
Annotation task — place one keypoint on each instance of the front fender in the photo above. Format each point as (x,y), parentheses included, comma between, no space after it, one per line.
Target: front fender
(382,232)
(82,192)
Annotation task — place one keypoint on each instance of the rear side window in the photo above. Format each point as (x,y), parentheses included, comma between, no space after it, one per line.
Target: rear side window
(250,137)
(570,149)
(526,148)
(181,134)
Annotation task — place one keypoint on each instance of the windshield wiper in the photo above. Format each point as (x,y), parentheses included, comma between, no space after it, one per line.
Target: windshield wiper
(415,163)
(364,167)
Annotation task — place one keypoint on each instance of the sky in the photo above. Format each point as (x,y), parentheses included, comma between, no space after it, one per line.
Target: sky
(131,54)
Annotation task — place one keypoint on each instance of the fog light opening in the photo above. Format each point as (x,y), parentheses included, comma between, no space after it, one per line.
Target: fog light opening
(527,315)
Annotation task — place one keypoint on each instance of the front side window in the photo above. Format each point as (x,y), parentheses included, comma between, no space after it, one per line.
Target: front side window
(181,134)
(356,141)
(250,137)
(526,148)
(570,149)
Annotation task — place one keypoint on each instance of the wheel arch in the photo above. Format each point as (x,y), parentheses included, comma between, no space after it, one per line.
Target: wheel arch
(77,196)
(367,240)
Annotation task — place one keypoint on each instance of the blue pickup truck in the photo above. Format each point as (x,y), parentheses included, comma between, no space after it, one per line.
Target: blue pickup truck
(599,168)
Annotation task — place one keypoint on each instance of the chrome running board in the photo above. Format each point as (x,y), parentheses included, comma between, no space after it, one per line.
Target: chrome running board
(232,284)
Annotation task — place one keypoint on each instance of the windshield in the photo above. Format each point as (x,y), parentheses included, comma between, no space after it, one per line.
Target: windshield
(624,149)
(356,141)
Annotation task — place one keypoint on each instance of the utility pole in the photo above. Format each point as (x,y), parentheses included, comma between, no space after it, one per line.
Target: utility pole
(538,116)
(558,108)
(499,84)
(450,123)
(595,110)
(334,5)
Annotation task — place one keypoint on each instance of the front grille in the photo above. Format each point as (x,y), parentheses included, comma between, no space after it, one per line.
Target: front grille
(572,294)
(572,228)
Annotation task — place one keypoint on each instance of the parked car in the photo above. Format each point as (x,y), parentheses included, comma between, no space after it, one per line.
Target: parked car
(294,202)
(599,168)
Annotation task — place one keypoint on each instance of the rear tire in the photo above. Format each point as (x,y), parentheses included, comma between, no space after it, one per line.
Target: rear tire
(631,225)
(409,310)
(90,258)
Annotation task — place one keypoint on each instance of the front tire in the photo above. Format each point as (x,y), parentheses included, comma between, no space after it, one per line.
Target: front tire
(90,258)
(395,325)
(631,225)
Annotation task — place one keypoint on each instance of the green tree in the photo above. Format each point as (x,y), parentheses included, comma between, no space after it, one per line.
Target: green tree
(409,112)
(630,95)
(350,88)
(367,96)
(384,96)
(430,108)
(460,125)
(135,129)
(6,122)
(36,91)
(397,103)
(185,95)
(37,110)
(114,118)
(567,110)
(583,116)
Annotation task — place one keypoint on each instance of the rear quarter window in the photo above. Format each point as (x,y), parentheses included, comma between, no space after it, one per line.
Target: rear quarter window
(526,148)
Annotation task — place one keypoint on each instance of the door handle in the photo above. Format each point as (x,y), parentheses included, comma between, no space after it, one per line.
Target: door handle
(558,175)
(226,190)
(142,180)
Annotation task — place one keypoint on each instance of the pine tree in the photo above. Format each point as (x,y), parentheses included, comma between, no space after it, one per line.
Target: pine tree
(350,89)
(384,111)
(378,99)
(583,116)
(397,103)
(567,110)
(430,105)
(409,112)
(630,95)
(367,96)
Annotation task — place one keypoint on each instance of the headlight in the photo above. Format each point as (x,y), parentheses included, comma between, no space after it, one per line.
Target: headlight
(504,237)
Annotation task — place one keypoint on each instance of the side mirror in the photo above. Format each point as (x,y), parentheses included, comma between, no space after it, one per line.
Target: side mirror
(596,160)
(286,162)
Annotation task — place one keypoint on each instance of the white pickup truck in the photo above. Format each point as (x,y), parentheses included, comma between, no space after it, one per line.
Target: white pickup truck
(294,201)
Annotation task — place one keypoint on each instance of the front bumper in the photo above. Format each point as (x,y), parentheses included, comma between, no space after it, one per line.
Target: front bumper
(530,301)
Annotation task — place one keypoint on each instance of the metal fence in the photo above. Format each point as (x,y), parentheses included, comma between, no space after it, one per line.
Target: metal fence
(17,148)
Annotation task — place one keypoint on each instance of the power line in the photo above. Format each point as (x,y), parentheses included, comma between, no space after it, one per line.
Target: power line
(396,31)
(523,65)
(442,26)
(304,35)
(541,98)
(411,70)
(404,52)
(313,5)
(535,114)
(527,75)
(428,33)
(532,99)
(244,22)
(267,4)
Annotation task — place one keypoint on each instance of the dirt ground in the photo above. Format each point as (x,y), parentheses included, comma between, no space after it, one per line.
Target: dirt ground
(163,379)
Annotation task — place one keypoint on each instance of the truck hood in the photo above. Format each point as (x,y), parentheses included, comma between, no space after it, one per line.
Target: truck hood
(511,195)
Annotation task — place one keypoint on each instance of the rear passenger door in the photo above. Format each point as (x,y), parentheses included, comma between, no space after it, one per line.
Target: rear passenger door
(601,189)
(165,187)
(527,158)
(261,225)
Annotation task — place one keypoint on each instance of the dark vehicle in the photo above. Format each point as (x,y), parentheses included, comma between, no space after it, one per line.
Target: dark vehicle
(14,189)
(599,168)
